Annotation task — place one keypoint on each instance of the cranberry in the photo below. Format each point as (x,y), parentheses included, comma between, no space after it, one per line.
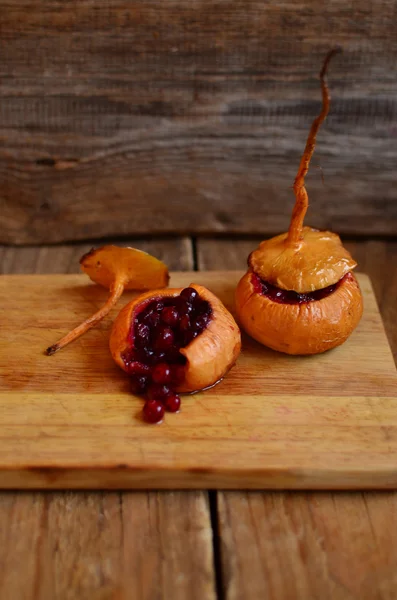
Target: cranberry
(289,296)
(161,373)
(153,411)
(159,356)
(184,323)
(152,319)
(275,294)
(164,338)
(320,294)
(184,307)
(170,316)
(139,384)
(201,322)
(203,308)
(178,373)
(141,334)
(189,294)
(136,367)
(265,288)
(157,391)
(155,363)
(190,336)
(172,402)
(173,355)
(302,298)
(159,305)
(146,355)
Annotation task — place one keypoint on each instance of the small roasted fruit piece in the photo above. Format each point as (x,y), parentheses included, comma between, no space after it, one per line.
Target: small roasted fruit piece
(174,340)
(299,295)
(116,269)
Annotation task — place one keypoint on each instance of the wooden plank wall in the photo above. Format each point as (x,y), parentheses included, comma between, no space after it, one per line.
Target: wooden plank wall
(180,116)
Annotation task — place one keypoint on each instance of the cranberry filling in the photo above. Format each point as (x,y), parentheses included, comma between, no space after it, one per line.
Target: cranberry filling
(289,296)
(153,361)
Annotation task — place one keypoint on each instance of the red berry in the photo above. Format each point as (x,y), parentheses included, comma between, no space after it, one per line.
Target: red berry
(156,391)
(141,334)
(164,338)
(178,373)
(189,294)
(139,384)
(157,305)
(153,411)
(201,322)
(173,402)
(159,357)
(183,306)
(169,316)
(189,337)
(161,373)
(203,308)
(155,363)
(146,355)
(184,323)
(173,355)
(152,319)
(136,367)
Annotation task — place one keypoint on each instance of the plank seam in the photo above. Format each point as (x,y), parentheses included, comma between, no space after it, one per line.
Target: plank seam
(216,545)
(194,253)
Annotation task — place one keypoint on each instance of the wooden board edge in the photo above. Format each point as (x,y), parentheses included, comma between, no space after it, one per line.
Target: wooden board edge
(125,478)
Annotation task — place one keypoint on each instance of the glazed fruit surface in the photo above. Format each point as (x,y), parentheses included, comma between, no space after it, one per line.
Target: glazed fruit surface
(303,323)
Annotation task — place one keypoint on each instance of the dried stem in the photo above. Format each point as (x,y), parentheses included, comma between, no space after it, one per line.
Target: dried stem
(115,292)
(302,200)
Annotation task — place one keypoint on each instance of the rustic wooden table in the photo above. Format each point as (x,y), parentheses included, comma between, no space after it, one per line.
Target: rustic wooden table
(200,545)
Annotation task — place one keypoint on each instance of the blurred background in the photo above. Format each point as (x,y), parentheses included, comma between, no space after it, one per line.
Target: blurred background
(153,117)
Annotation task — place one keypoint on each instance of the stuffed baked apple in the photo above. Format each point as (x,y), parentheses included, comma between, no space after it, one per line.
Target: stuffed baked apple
(174,340)
(299,295)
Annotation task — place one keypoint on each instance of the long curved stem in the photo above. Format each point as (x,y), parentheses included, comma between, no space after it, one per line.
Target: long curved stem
(115,292)
(302,200)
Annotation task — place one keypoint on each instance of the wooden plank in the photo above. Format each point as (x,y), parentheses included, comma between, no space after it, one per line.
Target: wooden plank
(139,117)
(91,546)
(94,546)
(176,253)
(310,545)
(71,420)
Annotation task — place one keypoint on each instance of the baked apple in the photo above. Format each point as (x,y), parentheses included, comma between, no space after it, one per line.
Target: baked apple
(299,294)
(171,341)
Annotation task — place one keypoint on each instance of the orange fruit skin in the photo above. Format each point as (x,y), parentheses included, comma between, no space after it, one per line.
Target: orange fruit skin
(317,261)
(135,269)
(309,328)
(209,356)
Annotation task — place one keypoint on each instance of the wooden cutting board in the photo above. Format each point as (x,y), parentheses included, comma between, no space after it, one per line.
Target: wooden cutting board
(69,421)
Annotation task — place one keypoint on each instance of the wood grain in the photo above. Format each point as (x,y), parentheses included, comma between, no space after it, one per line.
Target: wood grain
(70,421)
(310,545)
(97,546)
(138,117)
(64,258)
(102,546)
